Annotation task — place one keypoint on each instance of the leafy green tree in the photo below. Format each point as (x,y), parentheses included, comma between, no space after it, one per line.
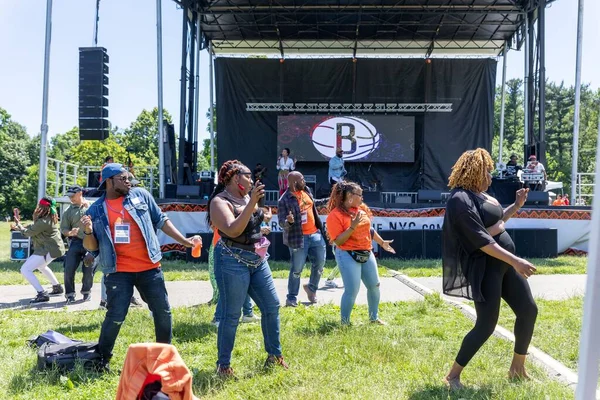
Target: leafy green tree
(141,137)
(206,142)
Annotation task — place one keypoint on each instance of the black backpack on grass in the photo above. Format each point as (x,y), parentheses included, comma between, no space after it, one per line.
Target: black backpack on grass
(65,356)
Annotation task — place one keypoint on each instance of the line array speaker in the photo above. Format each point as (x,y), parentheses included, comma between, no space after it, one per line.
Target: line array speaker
(93,89)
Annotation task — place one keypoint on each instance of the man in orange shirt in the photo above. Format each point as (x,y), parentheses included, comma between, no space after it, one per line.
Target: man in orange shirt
(303,235)
(121,227)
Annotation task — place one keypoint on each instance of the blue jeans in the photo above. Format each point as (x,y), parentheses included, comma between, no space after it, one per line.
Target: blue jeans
(235,280)
(314,249)
(73,258)
(246,308)
(352,273)
(119,289)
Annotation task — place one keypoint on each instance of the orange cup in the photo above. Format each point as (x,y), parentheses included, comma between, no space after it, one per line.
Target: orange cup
(197,249)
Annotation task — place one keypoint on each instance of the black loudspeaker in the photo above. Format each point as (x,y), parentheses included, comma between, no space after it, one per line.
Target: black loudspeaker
(371,197)
(93,179)
(188,191)
(20,246)
(170,190)
(535,243)
(538,198)
(429,196)
(408,243)
(313,187)
(432,243)
(93,89)
(206,242)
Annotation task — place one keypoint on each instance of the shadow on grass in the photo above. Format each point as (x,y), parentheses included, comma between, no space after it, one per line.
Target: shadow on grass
(21,383)
(323,328)
(71,329)
(186,332)
(442,392)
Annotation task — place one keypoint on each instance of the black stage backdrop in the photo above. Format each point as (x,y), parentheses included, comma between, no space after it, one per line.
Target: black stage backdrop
(440,138)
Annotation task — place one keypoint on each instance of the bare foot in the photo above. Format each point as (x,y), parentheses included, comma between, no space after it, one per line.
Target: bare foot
(518,374)
(453,383)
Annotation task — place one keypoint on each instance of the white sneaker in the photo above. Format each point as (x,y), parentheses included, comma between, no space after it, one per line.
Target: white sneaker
(331,284)
(246,319)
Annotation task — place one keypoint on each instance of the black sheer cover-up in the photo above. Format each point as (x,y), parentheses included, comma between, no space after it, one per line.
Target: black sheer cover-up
(463,234)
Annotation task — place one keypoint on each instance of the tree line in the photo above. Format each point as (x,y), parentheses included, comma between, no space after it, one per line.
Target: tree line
(19,153)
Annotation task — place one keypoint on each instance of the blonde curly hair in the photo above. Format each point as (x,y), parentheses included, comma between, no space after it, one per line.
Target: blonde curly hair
(469,171)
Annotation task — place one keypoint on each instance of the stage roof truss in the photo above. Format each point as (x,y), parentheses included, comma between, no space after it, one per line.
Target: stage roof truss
(350,107)
(361,27)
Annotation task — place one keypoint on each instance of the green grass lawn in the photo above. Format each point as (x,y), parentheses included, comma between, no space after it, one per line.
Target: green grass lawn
(404,360)
(557,328)
(176,270)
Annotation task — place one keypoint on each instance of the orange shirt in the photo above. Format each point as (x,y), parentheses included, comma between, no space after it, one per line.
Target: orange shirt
(558,202)
(132,256)
(216,237)
(306,206)
(338,221)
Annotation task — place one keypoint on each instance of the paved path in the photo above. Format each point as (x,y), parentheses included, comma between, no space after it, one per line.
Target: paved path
(188,293)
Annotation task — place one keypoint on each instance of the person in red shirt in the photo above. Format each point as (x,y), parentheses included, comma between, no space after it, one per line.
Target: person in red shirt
(349,227)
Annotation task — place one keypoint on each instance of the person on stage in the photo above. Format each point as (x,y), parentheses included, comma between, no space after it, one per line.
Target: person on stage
(349,227)
(512,166)
(241,267)
(534,166)
(284,164)
(479,263)
(47,245)
(337,172)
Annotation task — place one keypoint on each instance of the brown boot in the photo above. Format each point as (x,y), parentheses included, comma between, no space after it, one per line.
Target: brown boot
(312,296)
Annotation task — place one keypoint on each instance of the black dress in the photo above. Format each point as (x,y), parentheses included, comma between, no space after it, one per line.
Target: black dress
(463,234)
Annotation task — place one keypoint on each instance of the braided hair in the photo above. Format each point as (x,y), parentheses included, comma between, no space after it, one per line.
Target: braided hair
(227,171)
(340,192)
(469,170)
(46,207)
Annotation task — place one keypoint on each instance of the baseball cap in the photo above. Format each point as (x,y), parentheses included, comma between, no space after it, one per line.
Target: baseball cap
(73,190)
(109,171)
(532,157)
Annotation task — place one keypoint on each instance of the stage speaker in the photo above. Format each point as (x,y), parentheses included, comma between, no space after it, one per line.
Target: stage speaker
(432,243)
(206,242)
(170,190)
(536,243)
(371,197)
(93,89)
(407,243)
(538,198)
(93,179)
(403,200)
(429,196)
(188,191)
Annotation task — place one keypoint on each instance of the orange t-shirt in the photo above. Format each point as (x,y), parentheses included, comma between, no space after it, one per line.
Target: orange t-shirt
(338,221)
(306,206)
(558,202)
(216,237)
(132,256)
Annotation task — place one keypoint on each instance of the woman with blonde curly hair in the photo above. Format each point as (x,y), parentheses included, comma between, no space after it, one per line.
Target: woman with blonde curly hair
(47,245)
(479,262)
(349,227)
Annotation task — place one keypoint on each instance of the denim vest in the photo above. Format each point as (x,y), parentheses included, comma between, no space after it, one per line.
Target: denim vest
(146,214)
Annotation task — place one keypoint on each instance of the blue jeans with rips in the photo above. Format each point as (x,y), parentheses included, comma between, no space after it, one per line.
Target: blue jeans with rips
(314,250)
(119,289)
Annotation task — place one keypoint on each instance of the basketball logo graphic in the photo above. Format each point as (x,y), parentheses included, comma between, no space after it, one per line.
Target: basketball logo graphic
(357,137)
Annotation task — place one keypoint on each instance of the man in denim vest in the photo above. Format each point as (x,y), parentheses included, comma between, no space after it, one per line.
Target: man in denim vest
(303,234)
(121,227)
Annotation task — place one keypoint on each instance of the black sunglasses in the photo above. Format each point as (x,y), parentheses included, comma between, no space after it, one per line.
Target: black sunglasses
(122,178)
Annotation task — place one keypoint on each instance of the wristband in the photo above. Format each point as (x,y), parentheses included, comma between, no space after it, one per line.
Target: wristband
(88,234)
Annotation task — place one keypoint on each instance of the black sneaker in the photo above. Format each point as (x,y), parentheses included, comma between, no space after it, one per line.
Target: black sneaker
(42,297)
(102,305)
(87,297)
(56,290)
(70,299)
(134,302)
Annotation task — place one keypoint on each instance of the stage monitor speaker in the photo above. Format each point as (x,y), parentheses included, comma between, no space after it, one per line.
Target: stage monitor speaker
(206,188)
(20,246)
(188,191)
(535,243)
(538,198)
(371,197)
(313,187)
(93,89)
(93,179)
(170,190)
(206,242)
(429,196)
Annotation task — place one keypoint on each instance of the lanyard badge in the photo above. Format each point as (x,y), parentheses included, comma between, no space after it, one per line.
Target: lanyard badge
(122,233)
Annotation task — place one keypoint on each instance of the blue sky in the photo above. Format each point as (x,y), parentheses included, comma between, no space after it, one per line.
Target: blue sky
(128,31)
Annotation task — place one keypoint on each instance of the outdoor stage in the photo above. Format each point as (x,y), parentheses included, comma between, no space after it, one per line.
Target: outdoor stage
(543,231)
